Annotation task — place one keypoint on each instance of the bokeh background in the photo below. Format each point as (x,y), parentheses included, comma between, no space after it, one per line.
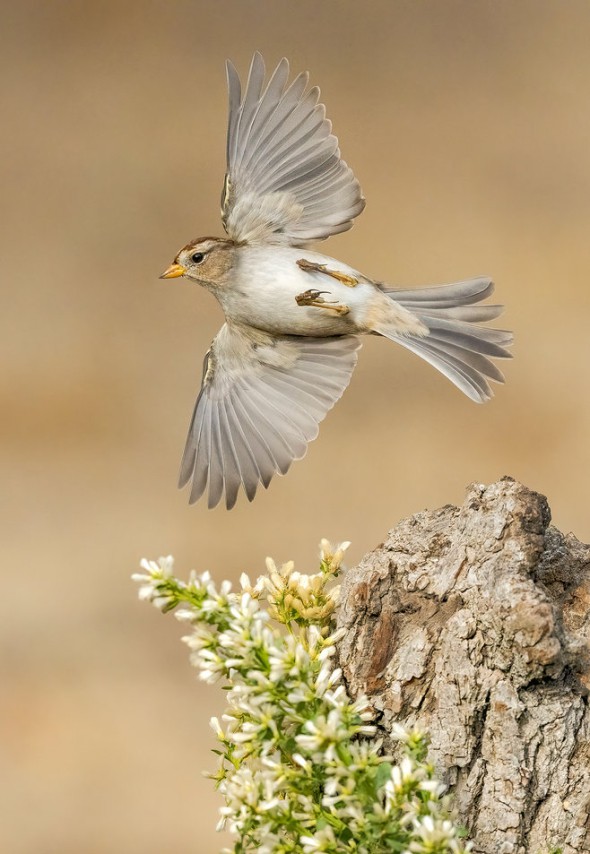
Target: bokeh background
(468,125)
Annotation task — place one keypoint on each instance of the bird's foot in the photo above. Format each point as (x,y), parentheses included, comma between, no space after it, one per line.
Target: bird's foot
(316,299)
(313,267)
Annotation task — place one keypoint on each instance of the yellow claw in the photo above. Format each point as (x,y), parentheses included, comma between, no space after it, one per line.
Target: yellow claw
(173,272)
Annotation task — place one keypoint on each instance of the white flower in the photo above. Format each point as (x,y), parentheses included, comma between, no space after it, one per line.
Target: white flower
(399,732)
(323,840)
(185,615)
(402,774)
(333,639)
(163,568)
(246,585)
(326,678)
(215,726)
(153,581)
(406,735)
(434,834)
(435,787)
(331,555)
(302,762)
(322,732)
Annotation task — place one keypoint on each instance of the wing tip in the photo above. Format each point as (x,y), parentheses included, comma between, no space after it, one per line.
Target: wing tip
(258,64)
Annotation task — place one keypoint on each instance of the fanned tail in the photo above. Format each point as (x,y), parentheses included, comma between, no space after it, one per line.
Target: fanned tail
(456,344)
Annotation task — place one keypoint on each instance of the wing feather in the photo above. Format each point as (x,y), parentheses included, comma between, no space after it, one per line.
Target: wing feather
(250,471)
(302,123)
(272,409)
(281,157)
(260,404)
(250,103)
(259,448)
(234,88)
(202,450)
(282,118)
(218,463)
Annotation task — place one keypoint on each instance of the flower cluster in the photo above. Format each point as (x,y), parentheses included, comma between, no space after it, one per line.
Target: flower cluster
(300,768)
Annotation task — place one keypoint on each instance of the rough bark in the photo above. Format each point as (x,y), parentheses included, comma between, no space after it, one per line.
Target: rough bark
(474,623)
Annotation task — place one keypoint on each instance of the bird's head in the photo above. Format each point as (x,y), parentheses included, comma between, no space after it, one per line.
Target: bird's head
(207,261)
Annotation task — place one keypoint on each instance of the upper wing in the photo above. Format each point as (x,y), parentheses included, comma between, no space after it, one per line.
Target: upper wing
(285,181)
(261,401)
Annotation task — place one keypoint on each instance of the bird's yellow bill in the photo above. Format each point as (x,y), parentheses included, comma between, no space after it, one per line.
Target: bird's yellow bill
(173,271)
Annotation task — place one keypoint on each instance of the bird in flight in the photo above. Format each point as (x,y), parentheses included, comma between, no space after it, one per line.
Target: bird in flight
(294,316)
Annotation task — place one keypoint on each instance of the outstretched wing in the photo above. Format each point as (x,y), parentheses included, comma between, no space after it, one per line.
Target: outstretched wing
(261,401)
(285,180)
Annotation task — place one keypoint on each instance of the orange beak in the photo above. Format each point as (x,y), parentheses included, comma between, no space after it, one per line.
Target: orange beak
(173,272)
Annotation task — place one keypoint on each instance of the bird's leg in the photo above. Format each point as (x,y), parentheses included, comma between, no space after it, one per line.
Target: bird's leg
(316,299)
(313,267)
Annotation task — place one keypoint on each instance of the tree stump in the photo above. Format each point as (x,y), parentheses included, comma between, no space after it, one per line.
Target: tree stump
(473,623)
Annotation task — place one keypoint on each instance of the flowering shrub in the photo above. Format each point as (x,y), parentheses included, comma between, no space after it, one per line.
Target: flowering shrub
(300,769)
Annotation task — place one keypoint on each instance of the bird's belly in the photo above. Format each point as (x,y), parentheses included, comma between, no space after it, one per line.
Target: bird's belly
(265,291)
(270,304)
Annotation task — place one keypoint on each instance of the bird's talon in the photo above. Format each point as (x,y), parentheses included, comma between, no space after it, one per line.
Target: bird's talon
(309,297)
(314,298)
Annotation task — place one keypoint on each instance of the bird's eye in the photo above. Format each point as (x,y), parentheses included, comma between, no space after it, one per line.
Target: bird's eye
(197,257)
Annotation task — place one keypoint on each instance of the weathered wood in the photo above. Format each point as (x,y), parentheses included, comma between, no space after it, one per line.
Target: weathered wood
(474,623)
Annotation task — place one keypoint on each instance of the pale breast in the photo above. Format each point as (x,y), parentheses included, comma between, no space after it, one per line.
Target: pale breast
(265,285)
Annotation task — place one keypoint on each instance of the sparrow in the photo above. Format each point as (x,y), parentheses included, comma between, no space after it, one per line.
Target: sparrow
(293,316)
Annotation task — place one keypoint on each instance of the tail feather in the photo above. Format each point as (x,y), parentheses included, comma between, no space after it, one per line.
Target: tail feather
(455,344)
(444,296)
(468,379)
(482,339)
(470,358)
(468,313)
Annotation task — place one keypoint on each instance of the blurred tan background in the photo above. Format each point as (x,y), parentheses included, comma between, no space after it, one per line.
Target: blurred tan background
(468,125)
